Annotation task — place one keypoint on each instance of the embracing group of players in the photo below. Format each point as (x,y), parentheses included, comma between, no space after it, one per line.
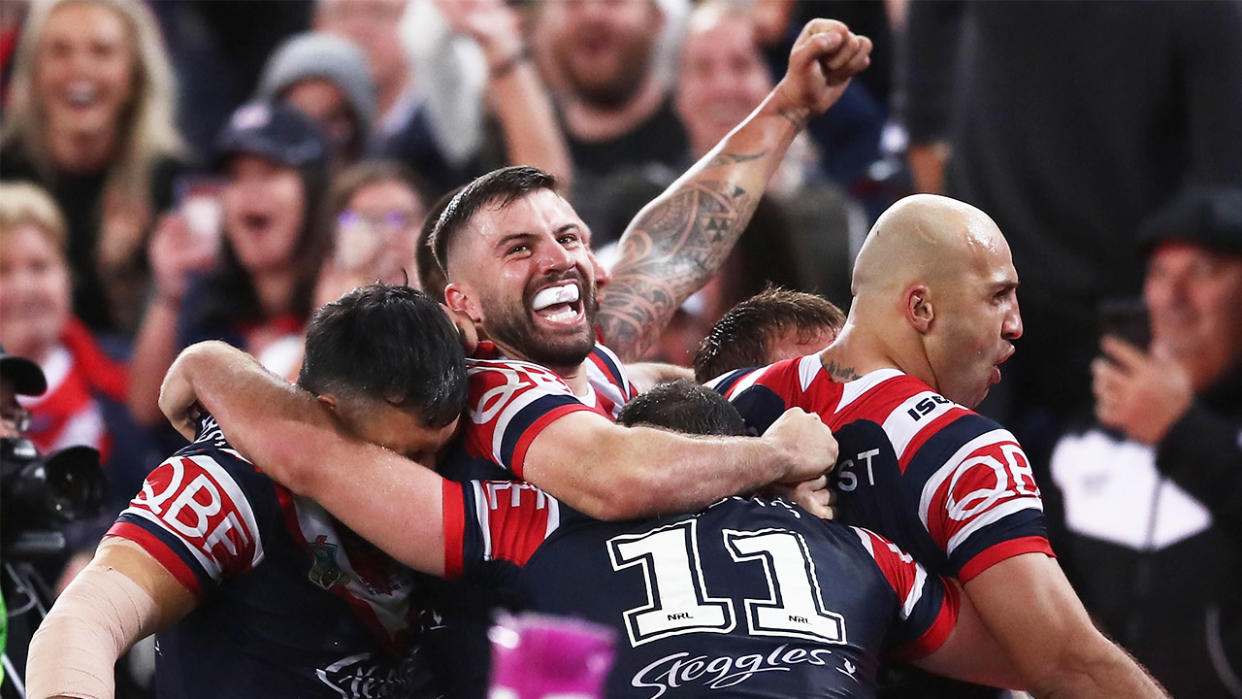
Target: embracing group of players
(292,548)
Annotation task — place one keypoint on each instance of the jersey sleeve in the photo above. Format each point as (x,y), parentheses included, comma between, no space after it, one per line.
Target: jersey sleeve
(510,404)
(928,604)
(488,521)
(195,517)
(760,394)
(981,504)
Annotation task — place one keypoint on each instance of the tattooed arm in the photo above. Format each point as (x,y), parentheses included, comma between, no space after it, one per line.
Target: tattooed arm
(679,240)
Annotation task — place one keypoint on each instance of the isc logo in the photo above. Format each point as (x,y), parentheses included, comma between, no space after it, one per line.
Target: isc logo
(187,498)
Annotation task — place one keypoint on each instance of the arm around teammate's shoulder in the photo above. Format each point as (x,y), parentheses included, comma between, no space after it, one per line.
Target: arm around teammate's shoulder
(612,472)
(1029,606)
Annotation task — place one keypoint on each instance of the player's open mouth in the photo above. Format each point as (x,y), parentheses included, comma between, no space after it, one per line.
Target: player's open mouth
(996,370)
(559,305)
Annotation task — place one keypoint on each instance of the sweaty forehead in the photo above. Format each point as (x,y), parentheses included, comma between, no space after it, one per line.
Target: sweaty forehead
(542,211)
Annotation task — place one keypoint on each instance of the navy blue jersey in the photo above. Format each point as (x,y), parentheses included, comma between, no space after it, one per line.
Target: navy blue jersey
(291,603)
(948,485)
(747,597)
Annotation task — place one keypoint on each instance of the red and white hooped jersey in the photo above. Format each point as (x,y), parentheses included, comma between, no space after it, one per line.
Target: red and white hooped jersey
(949,485)
(511,401)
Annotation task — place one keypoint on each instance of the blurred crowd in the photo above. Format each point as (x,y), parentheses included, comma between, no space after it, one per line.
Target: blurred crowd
(213,169)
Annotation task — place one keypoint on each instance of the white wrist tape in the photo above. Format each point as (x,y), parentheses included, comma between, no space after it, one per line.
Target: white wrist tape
(96,619)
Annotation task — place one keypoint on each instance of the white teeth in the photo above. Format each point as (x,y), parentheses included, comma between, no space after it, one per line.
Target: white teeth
(82,92)
(566,293)
(565,316)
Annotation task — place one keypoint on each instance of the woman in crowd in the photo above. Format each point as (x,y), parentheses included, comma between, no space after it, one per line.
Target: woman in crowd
(91,119)
(86,388)
(375,210)
(259,290)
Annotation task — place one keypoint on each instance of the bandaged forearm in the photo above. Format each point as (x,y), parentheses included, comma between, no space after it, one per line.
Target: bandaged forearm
(96,619)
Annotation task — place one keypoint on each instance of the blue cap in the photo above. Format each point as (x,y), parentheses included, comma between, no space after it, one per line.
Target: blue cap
(271,130)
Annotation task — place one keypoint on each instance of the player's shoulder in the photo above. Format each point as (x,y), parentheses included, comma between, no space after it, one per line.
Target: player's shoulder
(491,366)
(213,444)
(914,415)
(211,462)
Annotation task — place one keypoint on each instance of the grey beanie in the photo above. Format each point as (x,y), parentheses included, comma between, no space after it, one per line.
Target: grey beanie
(319,55)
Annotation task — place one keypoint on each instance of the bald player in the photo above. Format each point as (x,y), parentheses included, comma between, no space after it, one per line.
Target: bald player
(934,315)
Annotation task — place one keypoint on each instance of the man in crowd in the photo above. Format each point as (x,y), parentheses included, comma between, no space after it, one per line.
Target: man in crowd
(238,573)
(935,313)
(1152,490)
(616,111)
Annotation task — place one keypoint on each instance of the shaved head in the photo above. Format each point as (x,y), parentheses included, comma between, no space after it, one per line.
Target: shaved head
(923,238)
(935,293)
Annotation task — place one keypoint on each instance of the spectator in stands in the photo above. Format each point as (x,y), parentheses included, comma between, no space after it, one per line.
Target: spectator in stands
(1152,490)
(617,113)
(259,294)
(328,79)
(375,213)
(37,321)
(1069,154)
(771,326)
(91,119)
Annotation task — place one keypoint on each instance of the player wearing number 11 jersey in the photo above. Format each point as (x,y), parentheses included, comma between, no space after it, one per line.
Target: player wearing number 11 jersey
(747,597)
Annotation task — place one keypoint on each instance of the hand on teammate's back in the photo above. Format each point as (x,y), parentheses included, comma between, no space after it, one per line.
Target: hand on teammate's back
(808,443)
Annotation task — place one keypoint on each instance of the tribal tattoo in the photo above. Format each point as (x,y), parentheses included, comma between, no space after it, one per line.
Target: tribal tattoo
(670,252)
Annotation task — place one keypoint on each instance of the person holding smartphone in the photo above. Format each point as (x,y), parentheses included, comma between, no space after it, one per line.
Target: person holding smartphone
(1152,487)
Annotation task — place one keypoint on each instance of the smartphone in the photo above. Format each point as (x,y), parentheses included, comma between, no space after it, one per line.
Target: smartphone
(198,199)
(1126,319)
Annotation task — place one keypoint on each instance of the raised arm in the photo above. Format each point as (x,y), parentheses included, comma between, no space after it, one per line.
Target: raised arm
(389,500)
(123,596)
(614,472)
(679,240)
(1029,606)
(515,92)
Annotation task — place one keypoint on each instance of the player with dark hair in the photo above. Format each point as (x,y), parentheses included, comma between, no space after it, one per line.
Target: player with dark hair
(254,590)
(750,594)
(934,314)
(772,325)
(683,406)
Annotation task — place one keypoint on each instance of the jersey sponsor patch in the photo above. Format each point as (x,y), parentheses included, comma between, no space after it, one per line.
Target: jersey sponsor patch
(986,481)
(194,508)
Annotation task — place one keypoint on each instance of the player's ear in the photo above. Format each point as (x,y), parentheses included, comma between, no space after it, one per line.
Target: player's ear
(918,308)
(327,399)
(459,300)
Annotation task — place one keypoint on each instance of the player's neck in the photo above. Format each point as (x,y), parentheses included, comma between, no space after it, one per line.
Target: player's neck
(575,376)
(854,354)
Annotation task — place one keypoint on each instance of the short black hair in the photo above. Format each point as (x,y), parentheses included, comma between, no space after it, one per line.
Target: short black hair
(430,274)
(388,342)
(684,406)
(503,187)
(742,335)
